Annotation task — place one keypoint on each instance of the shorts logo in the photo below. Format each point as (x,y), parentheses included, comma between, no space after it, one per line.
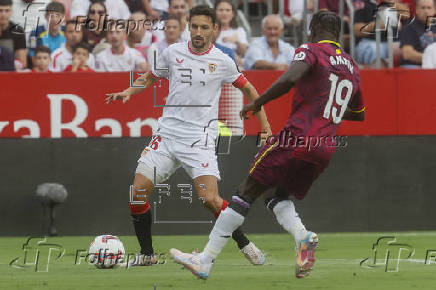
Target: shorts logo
(205,165)
(180,60)
(300,56)
(145,151)
(212,67)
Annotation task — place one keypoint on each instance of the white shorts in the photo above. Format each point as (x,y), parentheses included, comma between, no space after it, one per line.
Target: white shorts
(163,156)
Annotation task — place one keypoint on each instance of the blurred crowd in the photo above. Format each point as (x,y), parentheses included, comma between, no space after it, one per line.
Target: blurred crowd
(124,35)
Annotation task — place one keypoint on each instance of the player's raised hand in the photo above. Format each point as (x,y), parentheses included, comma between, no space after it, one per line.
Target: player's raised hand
(122,96)
(251,107)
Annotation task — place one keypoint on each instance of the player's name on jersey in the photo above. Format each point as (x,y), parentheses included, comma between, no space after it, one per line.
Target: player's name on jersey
(339,60)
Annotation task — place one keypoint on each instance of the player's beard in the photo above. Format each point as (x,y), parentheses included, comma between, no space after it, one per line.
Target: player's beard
(198,43)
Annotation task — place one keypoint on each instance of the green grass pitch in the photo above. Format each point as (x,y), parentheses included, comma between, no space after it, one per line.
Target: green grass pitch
(337,265)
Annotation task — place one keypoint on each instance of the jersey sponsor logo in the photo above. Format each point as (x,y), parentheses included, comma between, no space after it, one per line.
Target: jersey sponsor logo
(180,61)
(212,67)
(300,56)
(205,165)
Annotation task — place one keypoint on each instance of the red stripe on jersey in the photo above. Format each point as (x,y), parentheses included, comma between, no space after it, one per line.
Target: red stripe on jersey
(197,53)
(240,82)
(55,57)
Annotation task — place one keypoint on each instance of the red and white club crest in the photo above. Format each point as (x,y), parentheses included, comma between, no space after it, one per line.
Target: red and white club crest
(212,67)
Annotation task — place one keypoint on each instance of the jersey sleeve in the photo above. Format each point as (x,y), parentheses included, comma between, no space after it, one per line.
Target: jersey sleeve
(304,53)
(429,57)
(232,74)
(409,37)
(242,35)
(356,104)
(161,68)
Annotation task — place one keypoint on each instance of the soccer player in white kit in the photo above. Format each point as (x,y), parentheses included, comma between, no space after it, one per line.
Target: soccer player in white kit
(187,129)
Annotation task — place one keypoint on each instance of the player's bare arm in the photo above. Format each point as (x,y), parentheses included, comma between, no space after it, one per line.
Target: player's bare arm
(284,84)
(145,81)
(250,92)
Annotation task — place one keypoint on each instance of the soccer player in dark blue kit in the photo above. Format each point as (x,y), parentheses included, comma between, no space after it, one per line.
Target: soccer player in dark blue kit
(326,84)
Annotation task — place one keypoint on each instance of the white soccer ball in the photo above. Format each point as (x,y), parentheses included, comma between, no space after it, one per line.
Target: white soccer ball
(106,252)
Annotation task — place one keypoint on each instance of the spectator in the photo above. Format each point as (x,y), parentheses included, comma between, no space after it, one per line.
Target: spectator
(29,14)
(172,35)
(296,8)
(41,59)
(178,8)
(269,52)
(52,37)
(231,35)
(6,59)
(156,9)
(11,35)
(140,36)
(429,57)
(417,35)
(224,49)
(119,57)
(80,59)
(364,28)
(94,31)
(67,5)
(62,57)
(117,9)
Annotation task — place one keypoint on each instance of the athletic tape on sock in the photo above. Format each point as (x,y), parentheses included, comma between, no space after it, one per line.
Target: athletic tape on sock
(223,207)
(240,205)
(139,208)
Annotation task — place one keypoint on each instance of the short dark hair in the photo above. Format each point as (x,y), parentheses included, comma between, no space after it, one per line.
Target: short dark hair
(174,17)
(74,21)
(326,21)
(202,10)
(5,2)
(83,45)
(55,7)
(42,49)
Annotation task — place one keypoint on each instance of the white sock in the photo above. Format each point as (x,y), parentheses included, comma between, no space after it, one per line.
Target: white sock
(288,218)
(228,221)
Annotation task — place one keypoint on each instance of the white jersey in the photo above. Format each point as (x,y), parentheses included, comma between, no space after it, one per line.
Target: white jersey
(240,32)
(191,111)
(116,9)
(128,60)
(429,57)
(162,5)
(61,58)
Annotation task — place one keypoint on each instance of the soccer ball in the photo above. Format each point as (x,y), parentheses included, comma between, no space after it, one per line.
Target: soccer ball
(106,252)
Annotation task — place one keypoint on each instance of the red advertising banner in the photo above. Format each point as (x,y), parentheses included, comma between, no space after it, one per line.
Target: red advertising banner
(60,105)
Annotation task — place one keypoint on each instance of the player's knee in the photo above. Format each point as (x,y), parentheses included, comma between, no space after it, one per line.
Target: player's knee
(280,195)
(211,201)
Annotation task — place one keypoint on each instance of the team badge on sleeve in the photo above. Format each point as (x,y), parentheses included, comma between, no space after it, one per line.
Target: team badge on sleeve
(212,67)
(300,56)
